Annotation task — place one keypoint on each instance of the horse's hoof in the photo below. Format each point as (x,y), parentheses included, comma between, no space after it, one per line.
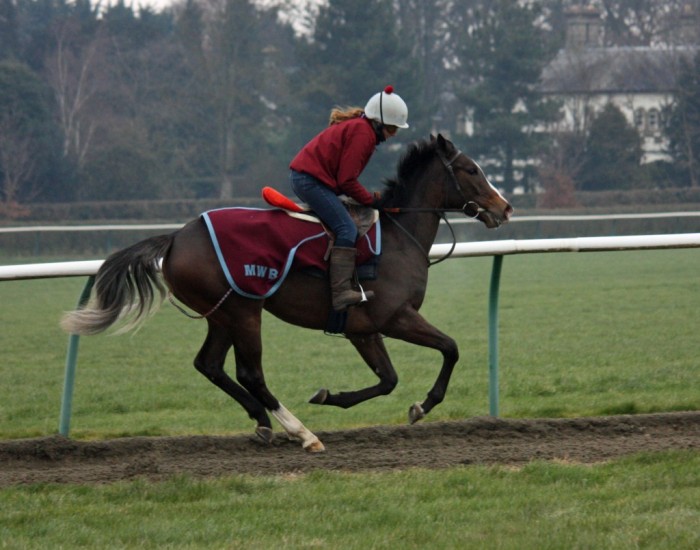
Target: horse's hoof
(415,413)
(319,398)
(264,434)
(314,447)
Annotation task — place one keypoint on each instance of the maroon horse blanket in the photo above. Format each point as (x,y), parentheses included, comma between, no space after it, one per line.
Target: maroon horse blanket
(258,248)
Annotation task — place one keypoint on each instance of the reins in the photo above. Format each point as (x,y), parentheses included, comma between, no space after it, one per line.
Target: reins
(438,211)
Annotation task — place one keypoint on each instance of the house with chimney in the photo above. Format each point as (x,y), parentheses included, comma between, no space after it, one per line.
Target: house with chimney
(586,75)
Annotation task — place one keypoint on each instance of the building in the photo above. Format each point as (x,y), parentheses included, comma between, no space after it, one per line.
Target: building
(641,81)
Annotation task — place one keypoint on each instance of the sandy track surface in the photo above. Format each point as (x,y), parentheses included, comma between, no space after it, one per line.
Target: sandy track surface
(485,440)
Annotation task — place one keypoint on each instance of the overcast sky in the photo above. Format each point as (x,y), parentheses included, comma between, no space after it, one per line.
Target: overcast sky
(166,3)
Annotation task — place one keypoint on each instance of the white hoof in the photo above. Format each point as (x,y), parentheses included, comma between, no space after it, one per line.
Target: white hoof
(314,447)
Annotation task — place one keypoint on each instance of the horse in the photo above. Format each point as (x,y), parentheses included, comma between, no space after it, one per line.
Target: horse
(433,177)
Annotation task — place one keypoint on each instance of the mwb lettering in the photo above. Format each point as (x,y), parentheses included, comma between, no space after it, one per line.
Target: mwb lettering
(260,271)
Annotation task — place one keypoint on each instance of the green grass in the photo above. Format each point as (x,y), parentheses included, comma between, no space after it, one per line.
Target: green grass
(580,334)
(649,501)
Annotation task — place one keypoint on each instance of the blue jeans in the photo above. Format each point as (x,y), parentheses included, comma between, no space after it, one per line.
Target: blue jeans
(326,204)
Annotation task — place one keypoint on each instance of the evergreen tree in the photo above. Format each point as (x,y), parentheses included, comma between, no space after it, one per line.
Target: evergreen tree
(234,59)
(28,137)
(683,124)
(501,56)
(187,113)
(9,40)
(423,31)
(355,51)
(613,153)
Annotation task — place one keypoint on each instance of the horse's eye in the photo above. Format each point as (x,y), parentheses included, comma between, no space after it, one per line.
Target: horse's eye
(472,171)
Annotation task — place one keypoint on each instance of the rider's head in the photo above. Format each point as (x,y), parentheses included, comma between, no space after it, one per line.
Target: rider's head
(388,109)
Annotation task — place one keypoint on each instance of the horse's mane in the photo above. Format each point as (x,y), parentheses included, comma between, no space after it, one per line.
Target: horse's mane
(411,162)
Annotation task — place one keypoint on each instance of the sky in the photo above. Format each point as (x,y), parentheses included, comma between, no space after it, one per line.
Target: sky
(295,4)
(290,12)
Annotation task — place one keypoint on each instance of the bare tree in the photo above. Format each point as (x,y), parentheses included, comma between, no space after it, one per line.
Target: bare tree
(17,164)
(559,167)
(234,57)
(642,22)
(683,124)
(71,72)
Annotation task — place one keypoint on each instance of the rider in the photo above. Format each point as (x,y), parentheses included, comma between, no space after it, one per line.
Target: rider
(330,164)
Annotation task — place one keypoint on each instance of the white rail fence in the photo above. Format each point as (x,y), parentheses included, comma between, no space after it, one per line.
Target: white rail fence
(497,249)
(458,221)
(41,237)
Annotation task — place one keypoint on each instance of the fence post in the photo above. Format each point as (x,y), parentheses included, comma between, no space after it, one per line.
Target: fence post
(493,334)
(71,360)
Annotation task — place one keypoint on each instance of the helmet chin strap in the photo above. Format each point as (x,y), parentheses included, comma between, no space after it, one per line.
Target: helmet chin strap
(381,111)
(382,137)
(377,126)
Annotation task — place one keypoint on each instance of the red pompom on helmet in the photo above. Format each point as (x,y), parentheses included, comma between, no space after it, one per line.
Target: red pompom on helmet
(387,108)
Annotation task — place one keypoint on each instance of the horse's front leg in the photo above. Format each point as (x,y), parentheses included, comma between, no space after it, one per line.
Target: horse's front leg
(408,325)
(372,350)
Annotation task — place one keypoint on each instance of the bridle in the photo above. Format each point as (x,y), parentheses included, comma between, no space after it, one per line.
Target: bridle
(467,203)
(441,212)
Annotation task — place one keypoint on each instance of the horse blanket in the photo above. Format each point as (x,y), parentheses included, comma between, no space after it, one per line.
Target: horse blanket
(257,248)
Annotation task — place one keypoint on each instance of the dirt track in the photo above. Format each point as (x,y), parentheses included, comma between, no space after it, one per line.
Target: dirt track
(431,445)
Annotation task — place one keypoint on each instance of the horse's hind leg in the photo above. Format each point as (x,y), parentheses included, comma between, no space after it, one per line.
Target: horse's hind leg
(210,362)
(247,346)
(372,350)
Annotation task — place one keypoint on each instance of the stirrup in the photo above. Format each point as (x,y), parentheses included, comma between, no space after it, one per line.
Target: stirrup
(362,292)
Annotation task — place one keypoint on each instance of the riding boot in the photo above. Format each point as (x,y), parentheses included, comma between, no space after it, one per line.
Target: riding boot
(341,272)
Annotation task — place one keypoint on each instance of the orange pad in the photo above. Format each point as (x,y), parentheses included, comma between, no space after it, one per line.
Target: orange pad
(277,199)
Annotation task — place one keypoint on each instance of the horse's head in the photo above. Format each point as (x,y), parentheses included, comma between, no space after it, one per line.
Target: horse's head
(468,187)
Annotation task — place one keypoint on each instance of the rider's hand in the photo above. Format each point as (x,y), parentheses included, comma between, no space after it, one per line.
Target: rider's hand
(378,202)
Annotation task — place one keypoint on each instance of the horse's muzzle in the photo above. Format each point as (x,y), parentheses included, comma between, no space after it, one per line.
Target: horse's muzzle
(496,217)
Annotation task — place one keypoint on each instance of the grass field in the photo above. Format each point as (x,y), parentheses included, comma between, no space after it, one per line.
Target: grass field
(649,501)
(581,334)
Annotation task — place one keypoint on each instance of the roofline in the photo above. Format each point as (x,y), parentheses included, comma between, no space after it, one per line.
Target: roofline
(610,91)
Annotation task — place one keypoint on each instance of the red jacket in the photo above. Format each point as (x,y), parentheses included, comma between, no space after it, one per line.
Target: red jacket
(338,155)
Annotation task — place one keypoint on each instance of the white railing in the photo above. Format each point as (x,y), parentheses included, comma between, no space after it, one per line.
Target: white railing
(72,228)
(594,217)
(515,219)
(497,249)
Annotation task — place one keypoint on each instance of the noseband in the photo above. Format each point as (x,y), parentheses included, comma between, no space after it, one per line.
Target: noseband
(473,205)
(468,205)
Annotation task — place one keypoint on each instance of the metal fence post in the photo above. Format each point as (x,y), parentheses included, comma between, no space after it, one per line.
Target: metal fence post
(71,360)
(493,334)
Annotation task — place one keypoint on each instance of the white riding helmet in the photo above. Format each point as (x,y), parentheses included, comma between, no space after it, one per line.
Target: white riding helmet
(388,108)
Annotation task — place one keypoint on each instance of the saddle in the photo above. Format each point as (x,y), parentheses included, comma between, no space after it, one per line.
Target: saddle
(257,248)
(363,216)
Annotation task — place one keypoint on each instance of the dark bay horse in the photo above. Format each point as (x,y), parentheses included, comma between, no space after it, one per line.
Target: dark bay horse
(433,177)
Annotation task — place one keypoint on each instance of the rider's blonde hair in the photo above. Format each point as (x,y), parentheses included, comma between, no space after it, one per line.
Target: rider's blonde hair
(341,114)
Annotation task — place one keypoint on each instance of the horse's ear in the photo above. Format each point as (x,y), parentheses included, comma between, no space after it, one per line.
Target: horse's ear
(432,138)
(442,142)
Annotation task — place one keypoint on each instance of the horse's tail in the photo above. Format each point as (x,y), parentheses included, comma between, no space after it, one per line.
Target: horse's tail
(125,289)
